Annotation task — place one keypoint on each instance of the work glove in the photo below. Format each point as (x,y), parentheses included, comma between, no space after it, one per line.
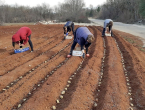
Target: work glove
(83,55)
(87,55)
(66,33)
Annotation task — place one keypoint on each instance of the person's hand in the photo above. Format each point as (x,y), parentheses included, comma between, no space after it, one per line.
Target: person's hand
(110,32)
(83,51)
(87,55)
(22,44)
(68,56)
(66,33)
(19,44)
(83,55)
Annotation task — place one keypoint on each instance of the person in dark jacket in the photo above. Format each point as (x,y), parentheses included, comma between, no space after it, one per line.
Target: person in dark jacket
(107,23)
(21,37)
(68,27)
(83,37)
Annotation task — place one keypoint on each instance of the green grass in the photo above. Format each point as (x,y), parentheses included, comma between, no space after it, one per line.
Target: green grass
(130,40)
(142,49)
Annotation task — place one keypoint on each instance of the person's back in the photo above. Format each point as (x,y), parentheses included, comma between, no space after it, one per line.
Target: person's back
(69,23)
(82,34)
(68,27)
(107,23)
(24,32)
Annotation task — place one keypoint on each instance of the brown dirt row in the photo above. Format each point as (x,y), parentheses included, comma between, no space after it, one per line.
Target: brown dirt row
(61,80)
(24,68)
(113,88)
(54,51)
(135,65)
(35,38)
(82,92)
(19,57)
(85,91)
(30,56)
(26,84)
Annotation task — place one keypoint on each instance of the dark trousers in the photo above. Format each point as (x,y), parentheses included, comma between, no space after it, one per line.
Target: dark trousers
(73,46)
(30,43)
(110,28)
(72,26)
(74,42)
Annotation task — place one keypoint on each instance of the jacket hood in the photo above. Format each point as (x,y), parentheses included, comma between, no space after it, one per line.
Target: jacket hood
(15,38)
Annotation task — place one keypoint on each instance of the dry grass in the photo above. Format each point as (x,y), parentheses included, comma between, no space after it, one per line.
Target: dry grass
(10,24)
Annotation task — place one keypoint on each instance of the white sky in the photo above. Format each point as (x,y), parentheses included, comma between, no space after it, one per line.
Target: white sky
(52,3)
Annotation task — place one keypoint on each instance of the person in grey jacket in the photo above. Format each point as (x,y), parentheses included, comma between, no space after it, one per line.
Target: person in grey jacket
(107,23)
(83,37)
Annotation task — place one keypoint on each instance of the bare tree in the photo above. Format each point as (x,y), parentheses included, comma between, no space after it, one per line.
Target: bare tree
(121,10)
(2,13)
(72,10)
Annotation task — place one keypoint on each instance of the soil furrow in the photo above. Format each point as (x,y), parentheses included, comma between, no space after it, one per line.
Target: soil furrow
(112,78)
(135,67)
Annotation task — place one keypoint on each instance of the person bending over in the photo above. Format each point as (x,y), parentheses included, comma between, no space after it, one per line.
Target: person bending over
(83,37)
(68,27)
(107,23)
(21,37)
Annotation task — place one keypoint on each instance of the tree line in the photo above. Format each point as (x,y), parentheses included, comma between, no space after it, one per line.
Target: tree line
(127,11)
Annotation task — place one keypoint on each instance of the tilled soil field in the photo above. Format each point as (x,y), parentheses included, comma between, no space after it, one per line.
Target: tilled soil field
(112,78)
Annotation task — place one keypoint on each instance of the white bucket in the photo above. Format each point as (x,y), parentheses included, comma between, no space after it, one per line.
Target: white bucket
(68,37)
(107,34)
(77,53)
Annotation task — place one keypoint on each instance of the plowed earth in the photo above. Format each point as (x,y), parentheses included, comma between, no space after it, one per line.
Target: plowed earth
(112,78)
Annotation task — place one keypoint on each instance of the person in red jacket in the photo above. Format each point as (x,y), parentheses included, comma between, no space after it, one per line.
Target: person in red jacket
(21,37)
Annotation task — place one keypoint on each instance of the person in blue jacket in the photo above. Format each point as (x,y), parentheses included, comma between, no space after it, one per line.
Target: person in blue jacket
(83,37)
(107,23)
(68,27)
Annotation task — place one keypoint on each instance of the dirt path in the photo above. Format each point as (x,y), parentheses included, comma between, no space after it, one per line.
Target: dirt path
(112,78)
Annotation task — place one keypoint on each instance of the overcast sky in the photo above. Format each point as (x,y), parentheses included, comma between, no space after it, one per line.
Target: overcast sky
(52,3)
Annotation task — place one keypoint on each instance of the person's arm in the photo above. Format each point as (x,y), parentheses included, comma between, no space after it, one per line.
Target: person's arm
(25,40)
(110,29)
(72,26)
(105,24)
(13,44)
(87,47)
(82,43)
